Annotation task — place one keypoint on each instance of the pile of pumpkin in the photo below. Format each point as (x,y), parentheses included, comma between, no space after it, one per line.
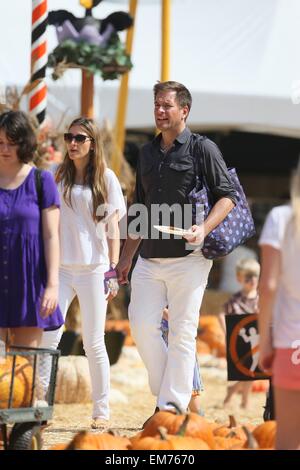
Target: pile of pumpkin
(210,337)
(174,430)
(22,377)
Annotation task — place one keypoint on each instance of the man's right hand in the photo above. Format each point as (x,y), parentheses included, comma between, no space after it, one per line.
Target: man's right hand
(123,268)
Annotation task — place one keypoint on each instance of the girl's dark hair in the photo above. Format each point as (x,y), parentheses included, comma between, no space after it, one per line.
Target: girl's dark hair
(19,131)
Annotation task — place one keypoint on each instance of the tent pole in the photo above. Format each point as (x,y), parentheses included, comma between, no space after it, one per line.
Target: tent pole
(165,40)
(87,94)
(38,92)
(122,100)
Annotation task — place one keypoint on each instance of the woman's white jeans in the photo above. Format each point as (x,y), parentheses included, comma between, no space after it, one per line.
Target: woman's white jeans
(87,283)
(180,284)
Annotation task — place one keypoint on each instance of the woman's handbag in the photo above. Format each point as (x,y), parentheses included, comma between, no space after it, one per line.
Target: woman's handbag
(237,226)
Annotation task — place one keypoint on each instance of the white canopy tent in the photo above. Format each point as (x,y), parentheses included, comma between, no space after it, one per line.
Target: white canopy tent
(239,58)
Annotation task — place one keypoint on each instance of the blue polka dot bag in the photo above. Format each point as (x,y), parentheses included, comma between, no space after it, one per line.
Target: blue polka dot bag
(234,230)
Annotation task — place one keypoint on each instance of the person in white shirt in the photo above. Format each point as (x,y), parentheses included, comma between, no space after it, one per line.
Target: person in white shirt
(91,206)
(279,318)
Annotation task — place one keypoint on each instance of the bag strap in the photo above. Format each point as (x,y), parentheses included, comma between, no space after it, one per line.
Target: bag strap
(38,186)
(198,157)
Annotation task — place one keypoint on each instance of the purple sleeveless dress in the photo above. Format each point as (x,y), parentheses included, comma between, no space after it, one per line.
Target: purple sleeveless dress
(23,271)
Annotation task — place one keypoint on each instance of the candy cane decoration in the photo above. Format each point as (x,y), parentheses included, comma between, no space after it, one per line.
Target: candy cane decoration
(38,93)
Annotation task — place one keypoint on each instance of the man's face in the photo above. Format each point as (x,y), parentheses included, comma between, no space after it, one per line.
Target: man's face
(167,112)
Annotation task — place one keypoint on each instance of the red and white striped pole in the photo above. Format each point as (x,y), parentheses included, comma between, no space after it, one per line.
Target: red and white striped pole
(38,94)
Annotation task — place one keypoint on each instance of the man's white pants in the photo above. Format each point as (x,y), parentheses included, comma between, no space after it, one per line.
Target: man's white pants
(180,284)
(87,283)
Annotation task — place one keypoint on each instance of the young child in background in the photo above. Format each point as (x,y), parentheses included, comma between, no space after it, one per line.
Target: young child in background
(244,301)
(194,404)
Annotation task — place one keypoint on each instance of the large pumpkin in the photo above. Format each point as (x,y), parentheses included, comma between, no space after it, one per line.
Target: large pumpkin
(18,390)
(227,443)
(23,382)
(88,441)
(211,333)
(195,426)
(232,430)
(265,434)
(73,383)
(24,372)
(164,441)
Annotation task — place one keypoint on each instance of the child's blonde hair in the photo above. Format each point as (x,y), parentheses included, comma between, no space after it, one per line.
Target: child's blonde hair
(248,265)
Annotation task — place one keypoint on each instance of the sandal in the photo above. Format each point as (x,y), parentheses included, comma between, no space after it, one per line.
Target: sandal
(99,423)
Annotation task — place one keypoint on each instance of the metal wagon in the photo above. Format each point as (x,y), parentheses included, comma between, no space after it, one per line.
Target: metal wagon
(26,403)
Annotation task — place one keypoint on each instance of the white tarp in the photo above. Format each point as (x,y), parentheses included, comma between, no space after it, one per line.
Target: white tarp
(239,58)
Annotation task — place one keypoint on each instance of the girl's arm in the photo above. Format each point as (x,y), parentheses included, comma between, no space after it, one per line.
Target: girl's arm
(270,271)
(50,224)
(113,241)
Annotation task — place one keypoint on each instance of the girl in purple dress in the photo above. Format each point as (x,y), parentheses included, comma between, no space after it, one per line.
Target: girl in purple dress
(29,239)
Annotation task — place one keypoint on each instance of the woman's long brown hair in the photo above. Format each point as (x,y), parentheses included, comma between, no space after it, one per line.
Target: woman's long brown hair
(94,176)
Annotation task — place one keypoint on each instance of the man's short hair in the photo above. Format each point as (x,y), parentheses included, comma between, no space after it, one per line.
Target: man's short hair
(183,96)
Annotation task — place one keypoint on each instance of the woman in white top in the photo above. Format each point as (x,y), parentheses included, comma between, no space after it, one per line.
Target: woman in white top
(91,207)
(279,318)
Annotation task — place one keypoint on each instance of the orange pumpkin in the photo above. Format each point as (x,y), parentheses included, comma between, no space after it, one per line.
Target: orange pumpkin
(259,386)
(24,372)
(232,430)
(265,434)
(166,441)
(250,444)
(195,426)
(226,443)
(23,378)
(5,384)
(135,438)
(105,441)
(202,347)
(211,333)
(59,447)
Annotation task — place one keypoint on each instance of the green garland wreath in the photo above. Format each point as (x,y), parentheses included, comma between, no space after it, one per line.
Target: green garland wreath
(109,62)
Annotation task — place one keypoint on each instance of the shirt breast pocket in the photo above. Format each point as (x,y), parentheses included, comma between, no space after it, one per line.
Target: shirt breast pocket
(181,173)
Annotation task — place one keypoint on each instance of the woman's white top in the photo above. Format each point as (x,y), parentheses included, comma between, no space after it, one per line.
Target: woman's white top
(278,232)
(82,240)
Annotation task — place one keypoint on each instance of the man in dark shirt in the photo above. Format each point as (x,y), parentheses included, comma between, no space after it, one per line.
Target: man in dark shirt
(171,271)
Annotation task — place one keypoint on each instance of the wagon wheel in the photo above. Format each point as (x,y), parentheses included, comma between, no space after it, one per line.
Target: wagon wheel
(25,436)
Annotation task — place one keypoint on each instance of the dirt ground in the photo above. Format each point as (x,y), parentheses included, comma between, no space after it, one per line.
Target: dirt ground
(131,401)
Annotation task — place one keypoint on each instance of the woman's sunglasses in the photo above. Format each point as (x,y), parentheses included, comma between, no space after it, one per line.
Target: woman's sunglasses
(79,138)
